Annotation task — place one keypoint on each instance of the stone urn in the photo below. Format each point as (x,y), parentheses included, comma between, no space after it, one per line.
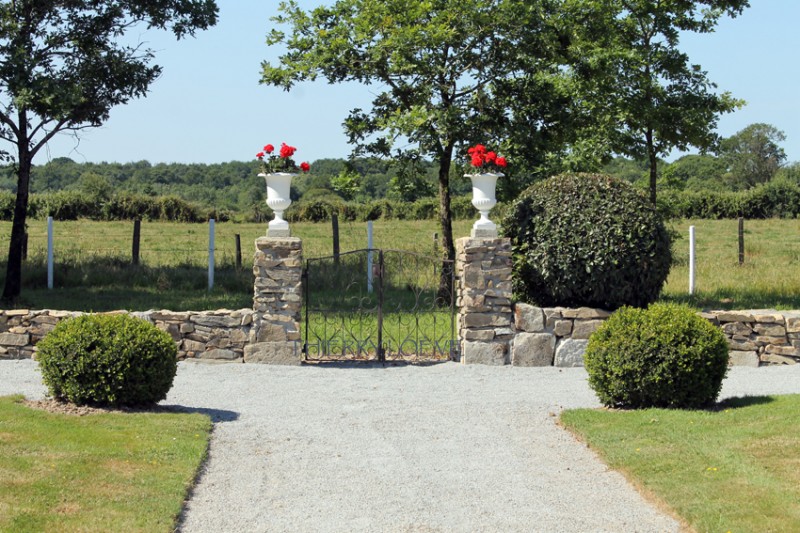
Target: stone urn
(483,198)
(279,185)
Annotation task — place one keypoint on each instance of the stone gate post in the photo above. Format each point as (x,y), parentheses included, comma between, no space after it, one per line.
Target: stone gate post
(277,301)
(485,318)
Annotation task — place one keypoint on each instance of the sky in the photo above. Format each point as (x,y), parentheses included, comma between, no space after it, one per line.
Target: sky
(208,105)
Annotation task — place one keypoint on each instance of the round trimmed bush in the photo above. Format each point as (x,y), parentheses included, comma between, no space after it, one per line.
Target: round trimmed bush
(587,240)
(107,360)
(662,356)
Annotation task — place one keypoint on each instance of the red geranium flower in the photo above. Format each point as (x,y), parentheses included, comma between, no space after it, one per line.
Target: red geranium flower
(479,157)
(279,162)
(287,151)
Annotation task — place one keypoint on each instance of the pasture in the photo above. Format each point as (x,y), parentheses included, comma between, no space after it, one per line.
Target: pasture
(93,271)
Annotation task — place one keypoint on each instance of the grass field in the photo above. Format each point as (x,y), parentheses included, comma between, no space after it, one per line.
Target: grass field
(734,469)
(93,272)
(100,472)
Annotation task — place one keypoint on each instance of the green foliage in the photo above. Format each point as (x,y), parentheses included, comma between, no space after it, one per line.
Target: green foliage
(662,356)
(649,97)
(107,360)
(780,198)
(753,155)
(586,239)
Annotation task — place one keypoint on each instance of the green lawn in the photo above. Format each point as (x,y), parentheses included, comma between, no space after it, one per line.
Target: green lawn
(733,469)
(100,472)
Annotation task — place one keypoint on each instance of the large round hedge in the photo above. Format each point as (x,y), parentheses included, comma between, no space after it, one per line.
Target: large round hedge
(107,360)
(662,356)
(587,240)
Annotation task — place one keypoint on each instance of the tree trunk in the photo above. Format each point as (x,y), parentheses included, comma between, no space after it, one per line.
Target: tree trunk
(652,158)
(13,284)
(445,280)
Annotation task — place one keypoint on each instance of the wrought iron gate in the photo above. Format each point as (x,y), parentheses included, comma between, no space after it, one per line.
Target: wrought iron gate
(378,305)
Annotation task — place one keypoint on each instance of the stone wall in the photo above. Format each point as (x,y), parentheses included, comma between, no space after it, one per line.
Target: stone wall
(558,336)
(213,335)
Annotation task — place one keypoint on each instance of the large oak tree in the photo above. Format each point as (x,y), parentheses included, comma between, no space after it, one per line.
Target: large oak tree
(63,65)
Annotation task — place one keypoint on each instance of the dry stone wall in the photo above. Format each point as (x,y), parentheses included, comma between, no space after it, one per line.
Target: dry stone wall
(559,336)
(220,335)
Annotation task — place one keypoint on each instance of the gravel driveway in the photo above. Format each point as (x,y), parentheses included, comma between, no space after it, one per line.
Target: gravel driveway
(436,448)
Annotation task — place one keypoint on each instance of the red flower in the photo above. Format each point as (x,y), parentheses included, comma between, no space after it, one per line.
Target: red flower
(287,151)
(260,155)
(489,157)
(477,160)
(500,162)
(304,166)
(269,148)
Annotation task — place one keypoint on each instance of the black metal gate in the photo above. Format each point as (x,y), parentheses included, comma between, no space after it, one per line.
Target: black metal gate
(378,305)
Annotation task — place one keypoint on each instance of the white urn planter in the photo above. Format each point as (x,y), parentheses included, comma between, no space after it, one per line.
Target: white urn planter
(279,185)
(483,198)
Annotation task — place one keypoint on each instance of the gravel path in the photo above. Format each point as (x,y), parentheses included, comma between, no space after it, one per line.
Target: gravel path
(438,448)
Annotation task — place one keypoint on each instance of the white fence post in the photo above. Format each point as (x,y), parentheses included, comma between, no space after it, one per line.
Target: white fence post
(691,260)
(369,256)
(211,254)
(49,252)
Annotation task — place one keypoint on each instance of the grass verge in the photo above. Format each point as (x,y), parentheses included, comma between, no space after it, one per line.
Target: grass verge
(101,472)
(733,469)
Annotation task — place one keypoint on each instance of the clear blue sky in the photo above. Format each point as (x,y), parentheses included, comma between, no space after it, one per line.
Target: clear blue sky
(208,106)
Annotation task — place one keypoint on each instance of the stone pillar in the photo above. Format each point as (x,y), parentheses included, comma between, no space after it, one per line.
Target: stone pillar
(485,319)
(277,300)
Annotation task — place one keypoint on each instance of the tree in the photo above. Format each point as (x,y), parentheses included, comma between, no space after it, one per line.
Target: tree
(434,63)
(631,71)
(752,155)
(63,66)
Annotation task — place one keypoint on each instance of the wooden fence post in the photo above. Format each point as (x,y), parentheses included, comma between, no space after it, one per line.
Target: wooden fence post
(238,251)
(335,224)
(137,233)
(741,240)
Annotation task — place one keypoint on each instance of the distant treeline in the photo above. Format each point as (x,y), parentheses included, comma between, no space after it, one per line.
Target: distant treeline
(361,189)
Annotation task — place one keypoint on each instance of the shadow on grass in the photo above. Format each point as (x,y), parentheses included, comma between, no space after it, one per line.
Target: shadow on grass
(742,401)
(216,415)
(729,299)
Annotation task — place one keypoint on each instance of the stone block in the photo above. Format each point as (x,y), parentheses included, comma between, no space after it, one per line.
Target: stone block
(582,329)
(776,359)
(733,316)
(193,346)
(484,353)
(211,321)
(793,324)
(218,353)
(585,313)
(770,330)
(569,352)
(743,346)
(741,358)
(14,339)
(187,327)
(779,341)
(274,353)
(482,320)
(771,318)
(528,318)
(737,328)
(483,335)
(562,328)
(533,349)
(782,350)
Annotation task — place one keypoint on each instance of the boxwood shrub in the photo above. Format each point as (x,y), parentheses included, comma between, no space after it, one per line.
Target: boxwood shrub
(115,360)
(662,356)
(587,240)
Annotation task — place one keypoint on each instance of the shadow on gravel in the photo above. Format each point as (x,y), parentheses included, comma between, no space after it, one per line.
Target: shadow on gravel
(370,364)
(742,401)
(216,415)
